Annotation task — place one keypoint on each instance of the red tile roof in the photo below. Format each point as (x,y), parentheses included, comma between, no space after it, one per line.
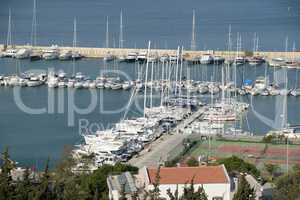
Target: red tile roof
(184,175)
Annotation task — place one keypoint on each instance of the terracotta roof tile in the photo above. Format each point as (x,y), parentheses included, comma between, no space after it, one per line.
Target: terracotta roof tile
(184,175)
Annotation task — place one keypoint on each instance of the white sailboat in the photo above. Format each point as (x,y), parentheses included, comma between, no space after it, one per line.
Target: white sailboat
(10,50)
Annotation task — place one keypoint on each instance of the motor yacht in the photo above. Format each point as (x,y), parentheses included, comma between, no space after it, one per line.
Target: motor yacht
(116,86)
(261,83)
(52,80)
(65,55)
(23,53)
(35,56)
(126,85)
(11,53)
(70,83)
(61,74)
(218,60)
(206,59)
(131,57)
(239,61)
(51,54)
(164,58)
(142,56)
(100,84)
(295,92)
(256,60)
(78,84)
(76,55)
(92,85)
(109,57)
(61,84)
(34,81)
(276,62)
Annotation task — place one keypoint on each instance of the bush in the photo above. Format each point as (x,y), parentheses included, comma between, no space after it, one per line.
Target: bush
(235,164)
(192,162)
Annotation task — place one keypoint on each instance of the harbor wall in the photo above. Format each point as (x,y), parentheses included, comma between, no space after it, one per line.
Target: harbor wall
(94,52)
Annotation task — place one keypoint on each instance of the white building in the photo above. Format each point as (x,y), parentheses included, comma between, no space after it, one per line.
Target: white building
(214,180)
(117,183)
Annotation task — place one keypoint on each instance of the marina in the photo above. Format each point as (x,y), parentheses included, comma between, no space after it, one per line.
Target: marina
(66,56)
(196,89)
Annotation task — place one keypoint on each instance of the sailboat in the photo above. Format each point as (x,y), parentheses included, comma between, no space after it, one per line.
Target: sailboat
(109,56)
(255,60)
(296,91)
(34,55)
(239,60)
(10,51)
(291,63)
(75,54)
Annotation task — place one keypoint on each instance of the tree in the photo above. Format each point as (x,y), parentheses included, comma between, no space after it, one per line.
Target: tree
(287,186)
(268,139)
(189,193)
(23,189)
(192,162)
(154,194)
(174,196)
(271,169)
(6,189)
(296,167)
(43,190)
(235,164)
(244,192)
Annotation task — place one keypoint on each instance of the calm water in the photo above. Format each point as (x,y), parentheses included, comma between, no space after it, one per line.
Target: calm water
(32,138)
(167,23)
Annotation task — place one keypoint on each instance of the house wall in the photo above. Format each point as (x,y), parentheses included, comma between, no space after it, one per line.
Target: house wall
(114,195)
(212,190)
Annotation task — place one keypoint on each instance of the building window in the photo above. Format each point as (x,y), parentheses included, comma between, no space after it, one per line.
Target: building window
(217,198)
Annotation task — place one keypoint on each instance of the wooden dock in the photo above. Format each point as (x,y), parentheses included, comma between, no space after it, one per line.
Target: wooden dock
(94,52)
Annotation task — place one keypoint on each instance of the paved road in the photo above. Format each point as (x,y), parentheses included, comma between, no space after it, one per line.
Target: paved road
(159,150)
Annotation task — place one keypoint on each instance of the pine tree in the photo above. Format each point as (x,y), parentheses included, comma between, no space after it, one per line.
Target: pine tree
(6,189)
(155,193)
(96,195)
(189,193)
(23,188)
(244,192)
(172,196)
(43,190)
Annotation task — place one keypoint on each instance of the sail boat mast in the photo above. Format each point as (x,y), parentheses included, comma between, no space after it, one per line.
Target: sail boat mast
(193,41)
(107,35)
(146,78)
(74,43)
(34,26)
(121,40)
(9,39)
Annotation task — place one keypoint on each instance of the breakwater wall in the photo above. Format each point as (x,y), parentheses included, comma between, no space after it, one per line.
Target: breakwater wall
(94,52)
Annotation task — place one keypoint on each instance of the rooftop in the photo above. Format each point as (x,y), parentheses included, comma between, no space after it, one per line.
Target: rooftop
(124,181)
(184,175)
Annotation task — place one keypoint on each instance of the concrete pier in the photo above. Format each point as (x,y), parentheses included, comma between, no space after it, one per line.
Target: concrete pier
(94,52)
